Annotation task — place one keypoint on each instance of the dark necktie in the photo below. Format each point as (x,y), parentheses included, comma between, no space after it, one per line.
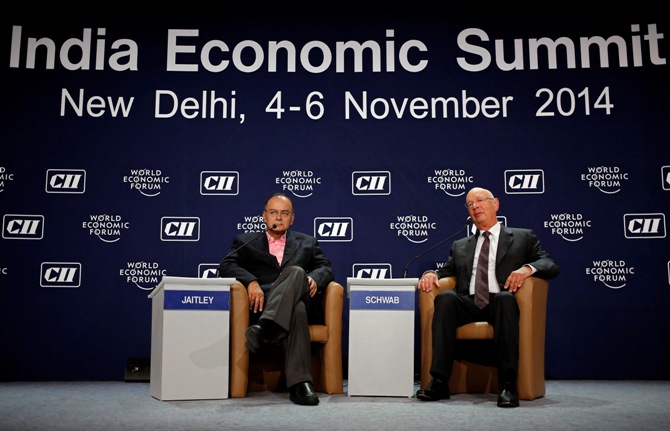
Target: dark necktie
(482,278)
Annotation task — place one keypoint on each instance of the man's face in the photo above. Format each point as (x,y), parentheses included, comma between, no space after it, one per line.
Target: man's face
(278,212)
(483,208)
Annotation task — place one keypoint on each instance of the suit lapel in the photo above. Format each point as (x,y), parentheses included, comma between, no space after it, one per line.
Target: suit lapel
(504,243)
(290,248)
(470,247)
(264,246)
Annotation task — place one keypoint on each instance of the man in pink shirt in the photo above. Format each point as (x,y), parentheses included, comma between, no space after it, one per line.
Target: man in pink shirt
(284,272)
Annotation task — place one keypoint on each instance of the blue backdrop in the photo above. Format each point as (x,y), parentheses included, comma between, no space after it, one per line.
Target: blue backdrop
(138,146)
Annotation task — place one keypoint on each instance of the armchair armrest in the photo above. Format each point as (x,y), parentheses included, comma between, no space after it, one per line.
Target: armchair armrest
(333,306)
(331,372)
(426,310)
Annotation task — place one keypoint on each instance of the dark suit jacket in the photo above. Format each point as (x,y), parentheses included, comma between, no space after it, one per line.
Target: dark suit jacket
(516,247)
(254,262)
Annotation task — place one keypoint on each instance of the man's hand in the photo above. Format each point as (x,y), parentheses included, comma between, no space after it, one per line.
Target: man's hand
(516,278)
(427,281)
(312,286)
(256,297)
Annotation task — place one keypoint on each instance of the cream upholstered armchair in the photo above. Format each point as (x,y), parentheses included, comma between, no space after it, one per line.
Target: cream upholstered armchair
(261,374)
(472,372)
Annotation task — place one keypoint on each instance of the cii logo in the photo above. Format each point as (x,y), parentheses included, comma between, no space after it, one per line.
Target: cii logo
(66,181)
(219,183)
(208,270)
(60,274)
(22,226)
(370,183)
(180,229)
(665,177)
(526,181)
(371,270)
(643,226)
(334,229)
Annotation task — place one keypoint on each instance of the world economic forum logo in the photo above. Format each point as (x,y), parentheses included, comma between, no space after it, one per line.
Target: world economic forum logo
(613,273)
(180,229)
(149,182)
(143,274)
(607,179)
(5,176)
(334,229)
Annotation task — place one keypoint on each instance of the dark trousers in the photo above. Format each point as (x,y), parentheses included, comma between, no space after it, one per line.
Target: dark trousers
(453,310)
(284,306)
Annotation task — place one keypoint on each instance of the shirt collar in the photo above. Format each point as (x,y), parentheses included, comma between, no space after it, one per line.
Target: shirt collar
(280,239)
(495,230)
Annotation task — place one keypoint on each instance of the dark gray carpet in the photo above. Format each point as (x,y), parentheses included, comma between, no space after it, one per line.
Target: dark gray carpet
(568,405)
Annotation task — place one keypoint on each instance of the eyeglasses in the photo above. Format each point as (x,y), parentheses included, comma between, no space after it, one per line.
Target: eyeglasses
(284,213)
(470,204)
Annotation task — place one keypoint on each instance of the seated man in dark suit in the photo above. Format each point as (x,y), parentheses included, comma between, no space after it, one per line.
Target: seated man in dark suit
(282,271)
(513,255)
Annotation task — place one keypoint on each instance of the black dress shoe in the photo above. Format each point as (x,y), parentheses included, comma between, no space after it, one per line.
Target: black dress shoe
(303,394)
(435,391)
(255,338)
(508,397)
